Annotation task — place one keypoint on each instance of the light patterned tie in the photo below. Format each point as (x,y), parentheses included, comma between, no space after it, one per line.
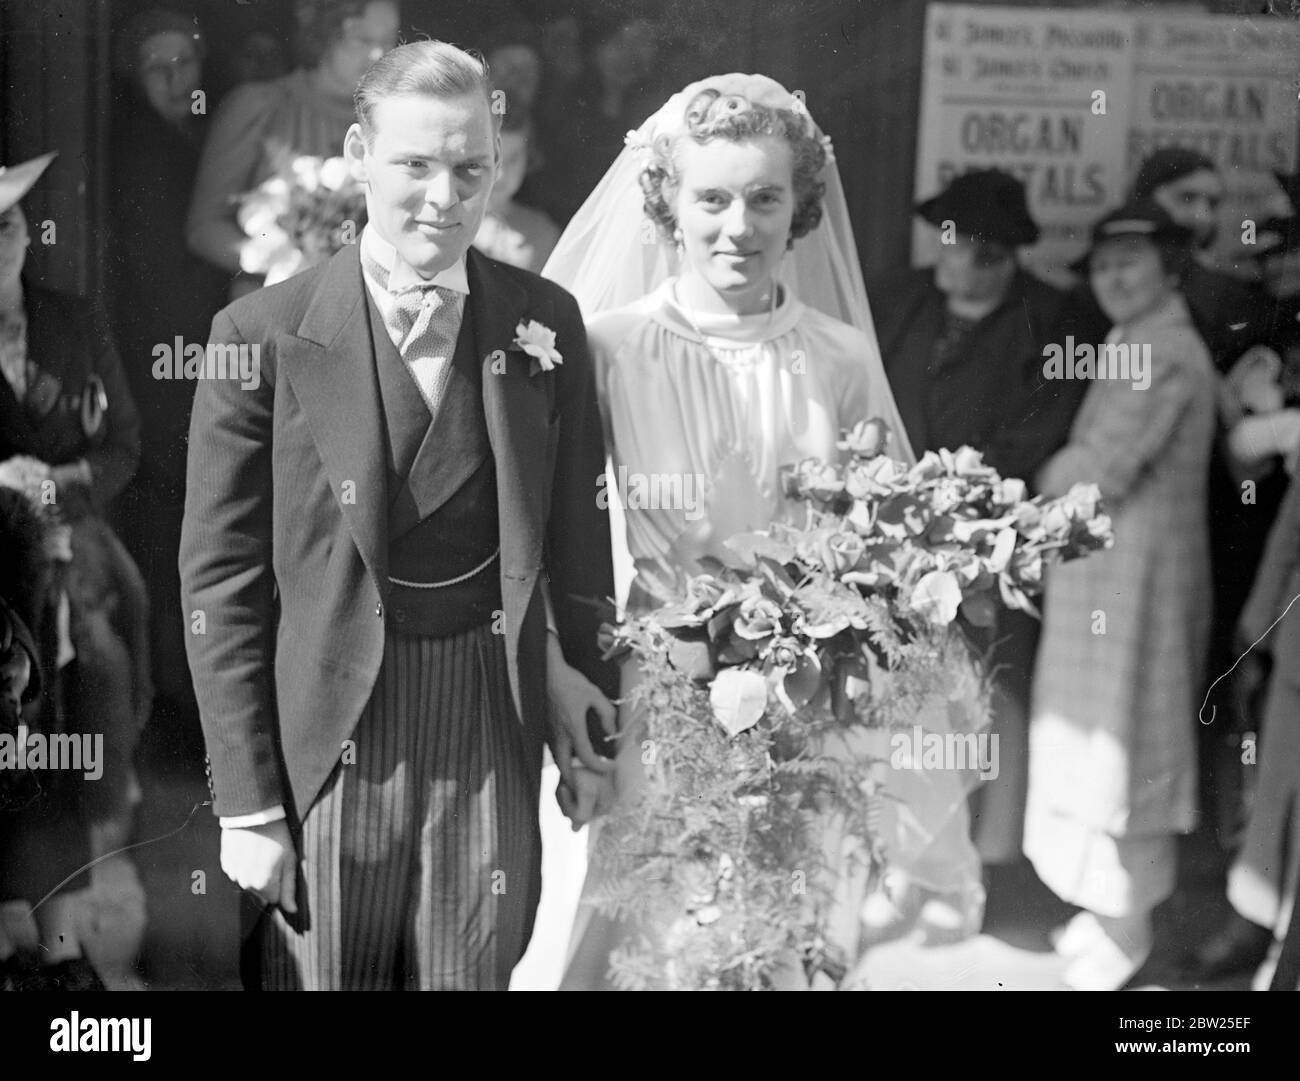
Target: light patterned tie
(424,323)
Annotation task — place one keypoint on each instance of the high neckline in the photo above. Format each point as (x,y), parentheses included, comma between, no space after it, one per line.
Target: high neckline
(725,329)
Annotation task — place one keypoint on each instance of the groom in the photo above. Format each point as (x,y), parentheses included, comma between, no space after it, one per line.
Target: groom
(387,544)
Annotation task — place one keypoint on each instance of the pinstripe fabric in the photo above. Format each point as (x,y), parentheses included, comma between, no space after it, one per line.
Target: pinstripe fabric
(422,860)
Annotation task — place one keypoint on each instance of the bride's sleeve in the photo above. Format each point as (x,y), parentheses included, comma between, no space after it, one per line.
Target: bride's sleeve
(605,334)
(597,344)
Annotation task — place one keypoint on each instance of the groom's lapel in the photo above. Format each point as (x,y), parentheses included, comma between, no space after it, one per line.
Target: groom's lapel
(329,363)
(516,407)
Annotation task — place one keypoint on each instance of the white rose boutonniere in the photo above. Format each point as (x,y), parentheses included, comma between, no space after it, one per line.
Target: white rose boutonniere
(538,341)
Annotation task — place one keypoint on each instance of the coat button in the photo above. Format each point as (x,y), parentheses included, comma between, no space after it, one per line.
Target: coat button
(379,609)
(399,616)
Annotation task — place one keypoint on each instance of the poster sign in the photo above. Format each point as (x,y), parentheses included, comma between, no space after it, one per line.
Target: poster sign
(1071,101)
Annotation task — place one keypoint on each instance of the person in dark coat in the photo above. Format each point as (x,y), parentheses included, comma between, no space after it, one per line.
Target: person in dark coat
(964,340)
(70,440)
(963,343)
(1263,416)
(26,575)
(159,291)
(1231,316)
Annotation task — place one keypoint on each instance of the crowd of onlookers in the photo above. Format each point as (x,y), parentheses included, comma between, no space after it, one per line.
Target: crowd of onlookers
(1097,705)
(1194,469)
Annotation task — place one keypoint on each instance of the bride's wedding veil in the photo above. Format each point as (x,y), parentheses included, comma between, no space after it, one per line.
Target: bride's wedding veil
(612,255)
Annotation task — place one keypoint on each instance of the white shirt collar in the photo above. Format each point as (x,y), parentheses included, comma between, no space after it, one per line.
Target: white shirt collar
(401,274)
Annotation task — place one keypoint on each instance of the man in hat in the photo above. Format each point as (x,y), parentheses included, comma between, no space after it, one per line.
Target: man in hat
(963,343)
(1278,258)
(1228,312)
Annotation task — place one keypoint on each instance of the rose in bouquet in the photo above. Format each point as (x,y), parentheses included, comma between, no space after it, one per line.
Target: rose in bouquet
(299,217)
(763,692)
(945,535)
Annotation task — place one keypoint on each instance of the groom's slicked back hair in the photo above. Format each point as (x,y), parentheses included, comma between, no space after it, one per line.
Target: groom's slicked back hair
(431,68)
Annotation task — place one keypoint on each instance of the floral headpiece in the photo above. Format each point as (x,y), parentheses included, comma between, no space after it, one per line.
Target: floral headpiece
(757,89)
(640,145)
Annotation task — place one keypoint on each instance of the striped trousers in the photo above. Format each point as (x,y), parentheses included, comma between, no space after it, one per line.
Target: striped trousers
(421,860)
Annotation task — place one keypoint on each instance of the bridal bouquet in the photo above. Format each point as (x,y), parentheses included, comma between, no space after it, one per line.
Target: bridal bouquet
(764,693)
(299,217)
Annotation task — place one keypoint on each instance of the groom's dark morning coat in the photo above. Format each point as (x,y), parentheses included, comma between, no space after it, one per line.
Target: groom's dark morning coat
(292,506)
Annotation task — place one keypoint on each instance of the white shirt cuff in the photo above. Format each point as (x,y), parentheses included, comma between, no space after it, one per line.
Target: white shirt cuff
(260,818)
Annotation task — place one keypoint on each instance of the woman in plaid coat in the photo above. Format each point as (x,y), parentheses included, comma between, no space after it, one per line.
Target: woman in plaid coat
(1112,768)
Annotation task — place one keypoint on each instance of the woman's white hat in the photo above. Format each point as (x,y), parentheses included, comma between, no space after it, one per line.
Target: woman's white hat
(17,180)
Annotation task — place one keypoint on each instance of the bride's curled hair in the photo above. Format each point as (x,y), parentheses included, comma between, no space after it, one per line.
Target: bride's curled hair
(711,115)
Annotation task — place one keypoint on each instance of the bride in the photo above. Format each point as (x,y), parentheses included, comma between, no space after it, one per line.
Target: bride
(732,336)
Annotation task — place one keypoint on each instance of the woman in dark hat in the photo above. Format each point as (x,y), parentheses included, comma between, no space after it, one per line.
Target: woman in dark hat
(1112,759)
(69,438)
(963,345)
(963,340)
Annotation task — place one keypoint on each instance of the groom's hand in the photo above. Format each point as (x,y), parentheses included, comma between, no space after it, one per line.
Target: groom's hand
(571,695)
(261,859)
(593,797)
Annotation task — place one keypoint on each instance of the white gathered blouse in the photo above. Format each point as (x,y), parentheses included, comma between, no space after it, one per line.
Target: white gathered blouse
(702,411)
